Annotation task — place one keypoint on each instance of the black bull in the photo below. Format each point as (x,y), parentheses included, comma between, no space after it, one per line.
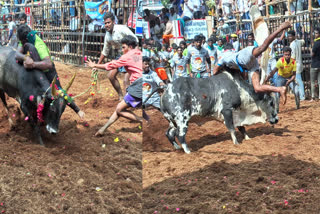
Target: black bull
(224,97)
(30,88)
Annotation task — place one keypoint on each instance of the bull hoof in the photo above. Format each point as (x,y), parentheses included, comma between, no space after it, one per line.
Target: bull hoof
(236,143)
(247,137)
(185,149)
(176,146)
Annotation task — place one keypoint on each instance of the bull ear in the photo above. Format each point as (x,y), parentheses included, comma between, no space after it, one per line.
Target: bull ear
(53,87)
(70,83)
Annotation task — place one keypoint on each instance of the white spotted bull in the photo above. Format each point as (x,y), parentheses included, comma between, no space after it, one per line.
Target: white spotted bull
(224,97)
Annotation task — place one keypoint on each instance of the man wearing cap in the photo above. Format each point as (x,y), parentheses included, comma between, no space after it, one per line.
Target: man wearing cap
(235,42)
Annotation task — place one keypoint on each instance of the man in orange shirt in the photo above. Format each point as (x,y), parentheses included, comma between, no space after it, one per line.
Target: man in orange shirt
(286,67)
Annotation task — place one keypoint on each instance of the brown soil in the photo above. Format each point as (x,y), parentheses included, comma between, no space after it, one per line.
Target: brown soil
(277,171)
(75,172)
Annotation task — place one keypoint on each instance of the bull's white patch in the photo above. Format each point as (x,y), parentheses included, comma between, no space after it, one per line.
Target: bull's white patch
(196,106)
(249,111)
(171,95)
(218,105)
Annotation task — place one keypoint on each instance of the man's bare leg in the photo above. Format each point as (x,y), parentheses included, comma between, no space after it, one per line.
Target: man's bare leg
(120,111)
(115,82)
(268,88)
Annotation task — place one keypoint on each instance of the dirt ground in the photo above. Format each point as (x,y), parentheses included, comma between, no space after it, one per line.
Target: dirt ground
(75,172)
(277,171)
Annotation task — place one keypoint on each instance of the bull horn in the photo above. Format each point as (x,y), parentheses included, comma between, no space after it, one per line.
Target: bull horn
(70,83)
(53,87)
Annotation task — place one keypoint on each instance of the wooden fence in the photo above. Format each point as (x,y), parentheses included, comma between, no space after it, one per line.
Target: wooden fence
(64,26)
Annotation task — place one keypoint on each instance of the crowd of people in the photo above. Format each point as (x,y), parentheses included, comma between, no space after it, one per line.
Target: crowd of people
(203,56)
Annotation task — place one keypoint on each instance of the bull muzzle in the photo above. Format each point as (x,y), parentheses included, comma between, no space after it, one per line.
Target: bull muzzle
(274,120)
(52,130)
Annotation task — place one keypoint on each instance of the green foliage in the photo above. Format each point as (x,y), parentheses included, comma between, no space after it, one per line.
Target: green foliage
(211,4)
(165,3)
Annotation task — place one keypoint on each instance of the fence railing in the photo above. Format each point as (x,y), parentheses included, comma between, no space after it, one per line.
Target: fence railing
(66,29)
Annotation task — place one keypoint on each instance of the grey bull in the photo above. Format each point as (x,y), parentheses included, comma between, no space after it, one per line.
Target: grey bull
(224,97)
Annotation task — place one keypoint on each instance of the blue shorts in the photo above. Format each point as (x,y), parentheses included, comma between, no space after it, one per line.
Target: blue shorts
(132,101)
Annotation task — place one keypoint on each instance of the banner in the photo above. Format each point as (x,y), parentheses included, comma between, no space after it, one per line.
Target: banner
(139,27)
(96,10)
(195,27)
(146,29)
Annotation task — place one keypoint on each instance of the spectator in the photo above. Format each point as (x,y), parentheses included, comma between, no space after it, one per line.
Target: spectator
(173,52)
(159,28)
(222,28)
(251,39)
(178,65)
(188,10)
(286,68)
(296,47)
(220,47)
(146,49)
(159,63)
(235,42)
(172,15)
(148,16)
(168,33)
(112,40)
(244,8)
(262,7)
(212,51)
(199,59)
(183,45)
(165,52)
(150,81)
(197,13)
(12,39)
(315,64)
(296,5)
(272,57)
(227,8)
(23,19)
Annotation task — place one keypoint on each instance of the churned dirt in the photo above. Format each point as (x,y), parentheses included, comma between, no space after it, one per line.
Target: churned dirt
(277,171)
(75,172)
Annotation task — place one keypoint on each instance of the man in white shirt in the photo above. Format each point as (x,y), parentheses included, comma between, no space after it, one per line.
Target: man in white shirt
(112,40)
(173,14)
(188,10)
(296,46)
(197,14)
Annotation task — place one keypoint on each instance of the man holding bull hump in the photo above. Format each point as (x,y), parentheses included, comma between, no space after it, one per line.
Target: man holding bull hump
(246,60)
(34,54)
